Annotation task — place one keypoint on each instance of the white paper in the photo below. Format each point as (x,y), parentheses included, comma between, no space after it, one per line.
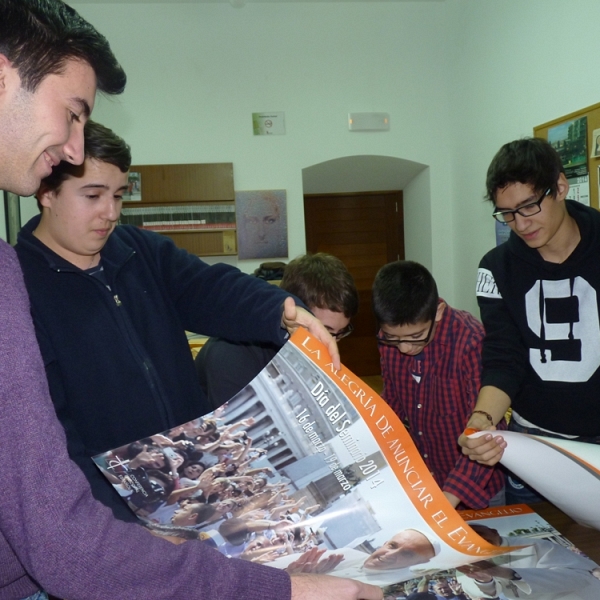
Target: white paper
(565,472)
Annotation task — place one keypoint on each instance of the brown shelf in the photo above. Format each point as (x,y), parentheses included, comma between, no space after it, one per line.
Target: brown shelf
(181,185)
(167,184)
(201,230)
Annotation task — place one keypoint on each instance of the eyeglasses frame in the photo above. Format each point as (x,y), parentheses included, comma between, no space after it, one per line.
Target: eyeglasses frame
(342,333)
(499,214)
(397,343)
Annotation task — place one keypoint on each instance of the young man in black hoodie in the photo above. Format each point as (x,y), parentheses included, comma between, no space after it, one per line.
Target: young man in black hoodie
(538,296)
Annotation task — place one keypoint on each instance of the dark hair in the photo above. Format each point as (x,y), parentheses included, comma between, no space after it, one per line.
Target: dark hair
(321,281)
(40,36)
(203,512)
(101,144)
(404,292)
(133,449)
(188,463)
(186,533)
(530,161)
(168,483)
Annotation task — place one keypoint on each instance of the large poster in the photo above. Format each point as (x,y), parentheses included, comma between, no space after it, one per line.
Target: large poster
(305,468)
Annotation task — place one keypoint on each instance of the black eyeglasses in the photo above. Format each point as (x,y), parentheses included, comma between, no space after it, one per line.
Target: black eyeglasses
(415,343)
(527,210)
(342,333)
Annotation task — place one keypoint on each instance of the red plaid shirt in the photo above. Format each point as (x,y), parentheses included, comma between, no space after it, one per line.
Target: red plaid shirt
(437,408)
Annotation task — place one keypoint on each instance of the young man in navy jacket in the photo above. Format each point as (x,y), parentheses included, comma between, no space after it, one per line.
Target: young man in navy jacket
(111,304)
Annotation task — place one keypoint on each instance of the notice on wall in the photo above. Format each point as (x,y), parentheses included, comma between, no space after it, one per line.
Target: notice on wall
(579,189)
(134,187)
(268,123)
(502,233)
(595,149)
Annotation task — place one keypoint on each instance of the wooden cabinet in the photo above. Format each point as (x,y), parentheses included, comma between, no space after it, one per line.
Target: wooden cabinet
(193,204)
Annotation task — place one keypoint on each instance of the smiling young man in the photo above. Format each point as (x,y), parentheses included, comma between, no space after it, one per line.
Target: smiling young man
(53,533)
(431,366)
(538,296)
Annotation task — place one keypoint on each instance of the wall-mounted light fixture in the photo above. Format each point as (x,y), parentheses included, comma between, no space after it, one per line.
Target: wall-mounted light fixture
(368,121)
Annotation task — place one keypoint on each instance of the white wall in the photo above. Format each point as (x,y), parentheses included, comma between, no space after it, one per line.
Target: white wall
(418,240)
(197,72)
(459,78)
(518,64)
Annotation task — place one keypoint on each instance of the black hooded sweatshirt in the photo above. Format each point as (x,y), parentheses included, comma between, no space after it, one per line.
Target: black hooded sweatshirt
(542,323)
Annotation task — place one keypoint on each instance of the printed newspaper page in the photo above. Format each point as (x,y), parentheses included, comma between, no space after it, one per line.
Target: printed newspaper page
(305,469)
(549,569)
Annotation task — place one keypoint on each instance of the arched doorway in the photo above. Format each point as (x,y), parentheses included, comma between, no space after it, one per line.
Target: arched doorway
(353,209)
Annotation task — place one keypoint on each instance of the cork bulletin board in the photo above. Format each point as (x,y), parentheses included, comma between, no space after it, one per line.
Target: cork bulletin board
(581,148)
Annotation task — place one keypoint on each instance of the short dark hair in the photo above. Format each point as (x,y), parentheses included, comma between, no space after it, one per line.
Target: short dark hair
(203,512)
(40,36)
(404,292)
(101,144)
(531,161)
(321,281)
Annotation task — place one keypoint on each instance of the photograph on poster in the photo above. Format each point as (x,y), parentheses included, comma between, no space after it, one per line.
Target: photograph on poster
(262,224)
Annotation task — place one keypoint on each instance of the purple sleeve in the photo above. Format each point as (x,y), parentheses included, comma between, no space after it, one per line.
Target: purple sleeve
(51,529)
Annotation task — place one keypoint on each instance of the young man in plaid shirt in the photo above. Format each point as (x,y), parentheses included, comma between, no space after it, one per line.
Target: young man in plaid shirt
(431,366)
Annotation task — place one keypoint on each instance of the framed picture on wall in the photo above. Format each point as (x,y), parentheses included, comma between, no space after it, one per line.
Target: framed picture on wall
(262,224)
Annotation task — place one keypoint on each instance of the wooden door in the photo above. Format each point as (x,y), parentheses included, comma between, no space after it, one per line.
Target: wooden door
(365,230)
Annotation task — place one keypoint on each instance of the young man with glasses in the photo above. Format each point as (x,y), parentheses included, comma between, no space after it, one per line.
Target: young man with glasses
(538,295)
(431,366)
(323,283)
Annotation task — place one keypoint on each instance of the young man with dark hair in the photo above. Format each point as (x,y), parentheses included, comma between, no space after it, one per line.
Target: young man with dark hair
(111,305)
(323,283)
(431,365)
(52,532)
(51,60)
(538,296)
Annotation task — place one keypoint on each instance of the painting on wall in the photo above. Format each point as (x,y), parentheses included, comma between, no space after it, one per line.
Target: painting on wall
(262,224)
(569,139)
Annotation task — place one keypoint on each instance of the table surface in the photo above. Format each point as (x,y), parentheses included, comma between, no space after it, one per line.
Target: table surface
(585,538)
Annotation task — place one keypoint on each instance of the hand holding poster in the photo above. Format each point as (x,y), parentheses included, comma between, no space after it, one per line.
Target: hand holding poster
(565,472)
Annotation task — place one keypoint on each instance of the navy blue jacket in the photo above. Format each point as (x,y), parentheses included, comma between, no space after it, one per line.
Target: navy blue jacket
(118,362)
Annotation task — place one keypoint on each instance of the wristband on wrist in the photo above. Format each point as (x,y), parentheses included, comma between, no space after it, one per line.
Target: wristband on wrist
(486,414)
